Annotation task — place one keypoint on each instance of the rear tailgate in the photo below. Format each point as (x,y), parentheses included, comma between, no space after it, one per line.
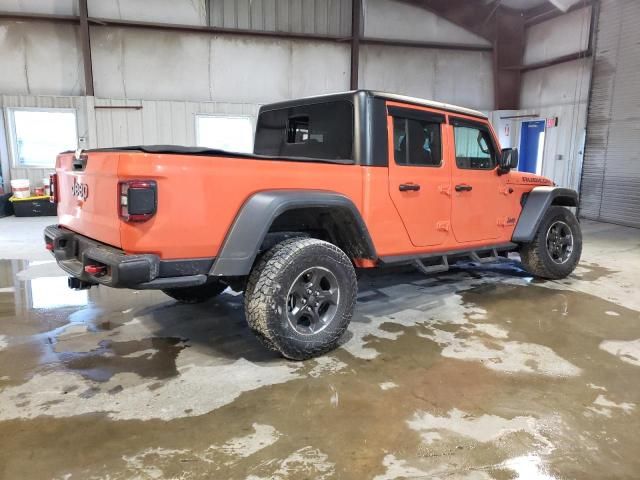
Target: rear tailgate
(88,195)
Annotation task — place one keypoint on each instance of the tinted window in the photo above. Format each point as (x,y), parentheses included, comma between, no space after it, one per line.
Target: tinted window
(474,148)
(323,130)
(416,142)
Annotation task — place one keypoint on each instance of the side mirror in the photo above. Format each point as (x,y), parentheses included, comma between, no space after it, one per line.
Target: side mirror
(508,159)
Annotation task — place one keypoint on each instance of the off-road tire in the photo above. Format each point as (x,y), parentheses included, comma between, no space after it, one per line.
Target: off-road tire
(252,281)
(267,295)
(198,294)
(535,256)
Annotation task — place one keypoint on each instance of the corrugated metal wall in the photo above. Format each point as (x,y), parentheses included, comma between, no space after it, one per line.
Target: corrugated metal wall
(35,175)
(154,122)
(326,17)
(409,21)
(220,74)
(157,122)
(610,188)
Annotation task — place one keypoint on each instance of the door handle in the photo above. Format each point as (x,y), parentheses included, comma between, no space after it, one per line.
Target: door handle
(463,188)
(409,187)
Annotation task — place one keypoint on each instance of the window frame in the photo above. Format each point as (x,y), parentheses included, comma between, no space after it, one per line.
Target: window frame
(13,138)
(222,115)
(407,114)
(481,126)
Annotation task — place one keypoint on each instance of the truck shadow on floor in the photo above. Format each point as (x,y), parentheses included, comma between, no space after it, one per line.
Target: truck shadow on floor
(219,326)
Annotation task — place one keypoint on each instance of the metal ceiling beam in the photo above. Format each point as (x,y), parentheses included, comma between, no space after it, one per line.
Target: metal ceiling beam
(109,22)
(37,17)
(556,61)
(105,22)
(418,44)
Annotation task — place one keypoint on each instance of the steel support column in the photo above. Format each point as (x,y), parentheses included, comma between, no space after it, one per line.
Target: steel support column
(508,50)
(356,26)
(85,41)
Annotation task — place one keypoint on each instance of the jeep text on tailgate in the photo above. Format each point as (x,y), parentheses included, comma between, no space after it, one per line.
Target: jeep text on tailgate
(337,182)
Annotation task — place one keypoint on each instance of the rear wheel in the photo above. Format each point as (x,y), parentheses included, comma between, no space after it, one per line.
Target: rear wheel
(197,294)
(557,246)
(300,297)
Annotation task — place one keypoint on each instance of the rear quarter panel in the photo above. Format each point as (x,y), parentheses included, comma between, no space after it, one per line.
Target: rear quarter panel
(199,196)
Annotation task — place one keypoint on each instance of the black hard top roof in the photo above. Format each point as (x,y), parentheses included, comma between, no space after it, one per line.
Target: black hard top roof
(372,93)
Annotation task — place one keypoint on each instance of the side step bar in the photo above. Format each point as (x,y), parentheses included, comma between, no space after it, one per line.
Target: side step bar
(481,255)
(492,257)
(443,266)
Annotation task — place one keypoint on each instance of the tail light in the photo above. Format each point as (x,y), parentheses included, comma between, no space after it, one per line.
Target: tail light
(138,200)
(53,188)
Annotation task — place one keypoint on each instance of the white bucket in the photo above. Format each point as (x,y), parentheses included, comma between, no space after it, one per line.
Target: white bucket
(21,188)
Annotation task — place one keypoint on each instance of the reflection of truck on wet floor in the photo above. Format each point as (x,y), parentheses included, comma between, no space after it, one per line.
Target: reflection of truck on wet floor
(337,182)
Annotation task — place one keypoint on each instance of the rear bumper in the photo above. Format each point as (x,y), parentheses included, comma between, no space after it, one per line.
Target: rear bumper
(74,252)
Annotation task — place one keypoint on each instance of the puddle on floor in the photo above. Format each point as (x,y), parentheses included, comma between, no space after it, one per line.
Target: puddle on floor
(485,376)
(147,358)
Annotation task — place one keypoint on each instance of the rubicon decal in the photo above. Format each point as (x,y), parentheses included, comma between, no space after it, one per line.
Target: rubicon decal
(535,180)
(80,190)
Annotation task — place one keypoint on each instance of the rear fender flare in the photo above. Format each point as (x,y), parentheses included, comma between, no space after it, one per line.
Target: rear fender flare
(256,216)
(538,202)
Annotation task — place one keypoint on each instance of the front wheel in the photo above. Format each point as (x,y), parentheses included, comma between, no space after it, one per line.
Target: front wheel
(197,294)
(300,297)
(555,250)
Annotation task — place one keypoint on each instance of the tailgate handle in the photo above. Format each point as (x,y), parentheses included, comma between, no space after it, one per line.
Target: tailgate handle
(80,162)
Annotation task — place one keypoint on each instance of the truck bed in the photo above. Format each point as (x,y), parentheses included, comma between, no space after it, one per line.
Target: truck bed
(204,151)
(199,191)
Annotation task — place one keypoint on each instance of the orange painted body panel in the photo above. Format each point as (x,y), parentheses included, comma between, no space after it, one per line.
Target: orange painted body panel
(200,196)
(426,212)
(97,215)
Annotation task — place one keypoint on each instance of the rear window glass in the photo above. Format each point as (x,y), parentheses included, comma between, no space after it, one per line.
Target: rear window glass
(323,130)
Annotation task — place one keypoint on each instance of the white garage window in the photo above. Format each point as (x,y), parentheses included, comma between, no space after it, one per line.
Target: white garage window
(38,135)
(234,134)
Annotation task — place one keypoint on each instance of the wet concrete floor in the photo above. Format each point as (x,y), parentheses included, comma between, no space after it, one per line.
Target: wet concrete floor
(479,373)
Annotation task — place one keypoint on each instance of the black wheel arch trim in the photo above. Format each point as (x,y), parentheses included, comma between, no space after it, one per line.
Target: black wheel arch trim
(537,203)
(251,225)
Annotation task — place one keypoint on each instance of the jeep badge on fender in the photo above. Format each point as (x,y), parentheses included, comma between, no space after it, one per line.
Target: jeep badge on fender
(80,190)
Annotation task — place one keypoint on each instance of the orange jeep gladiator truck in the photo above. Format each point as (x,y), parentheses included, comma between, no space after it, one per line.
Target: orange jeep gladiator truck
(360,179)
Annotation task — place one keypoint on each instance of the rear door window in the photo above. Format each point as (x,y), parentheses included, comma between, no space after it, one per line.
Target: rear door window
(416,142)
